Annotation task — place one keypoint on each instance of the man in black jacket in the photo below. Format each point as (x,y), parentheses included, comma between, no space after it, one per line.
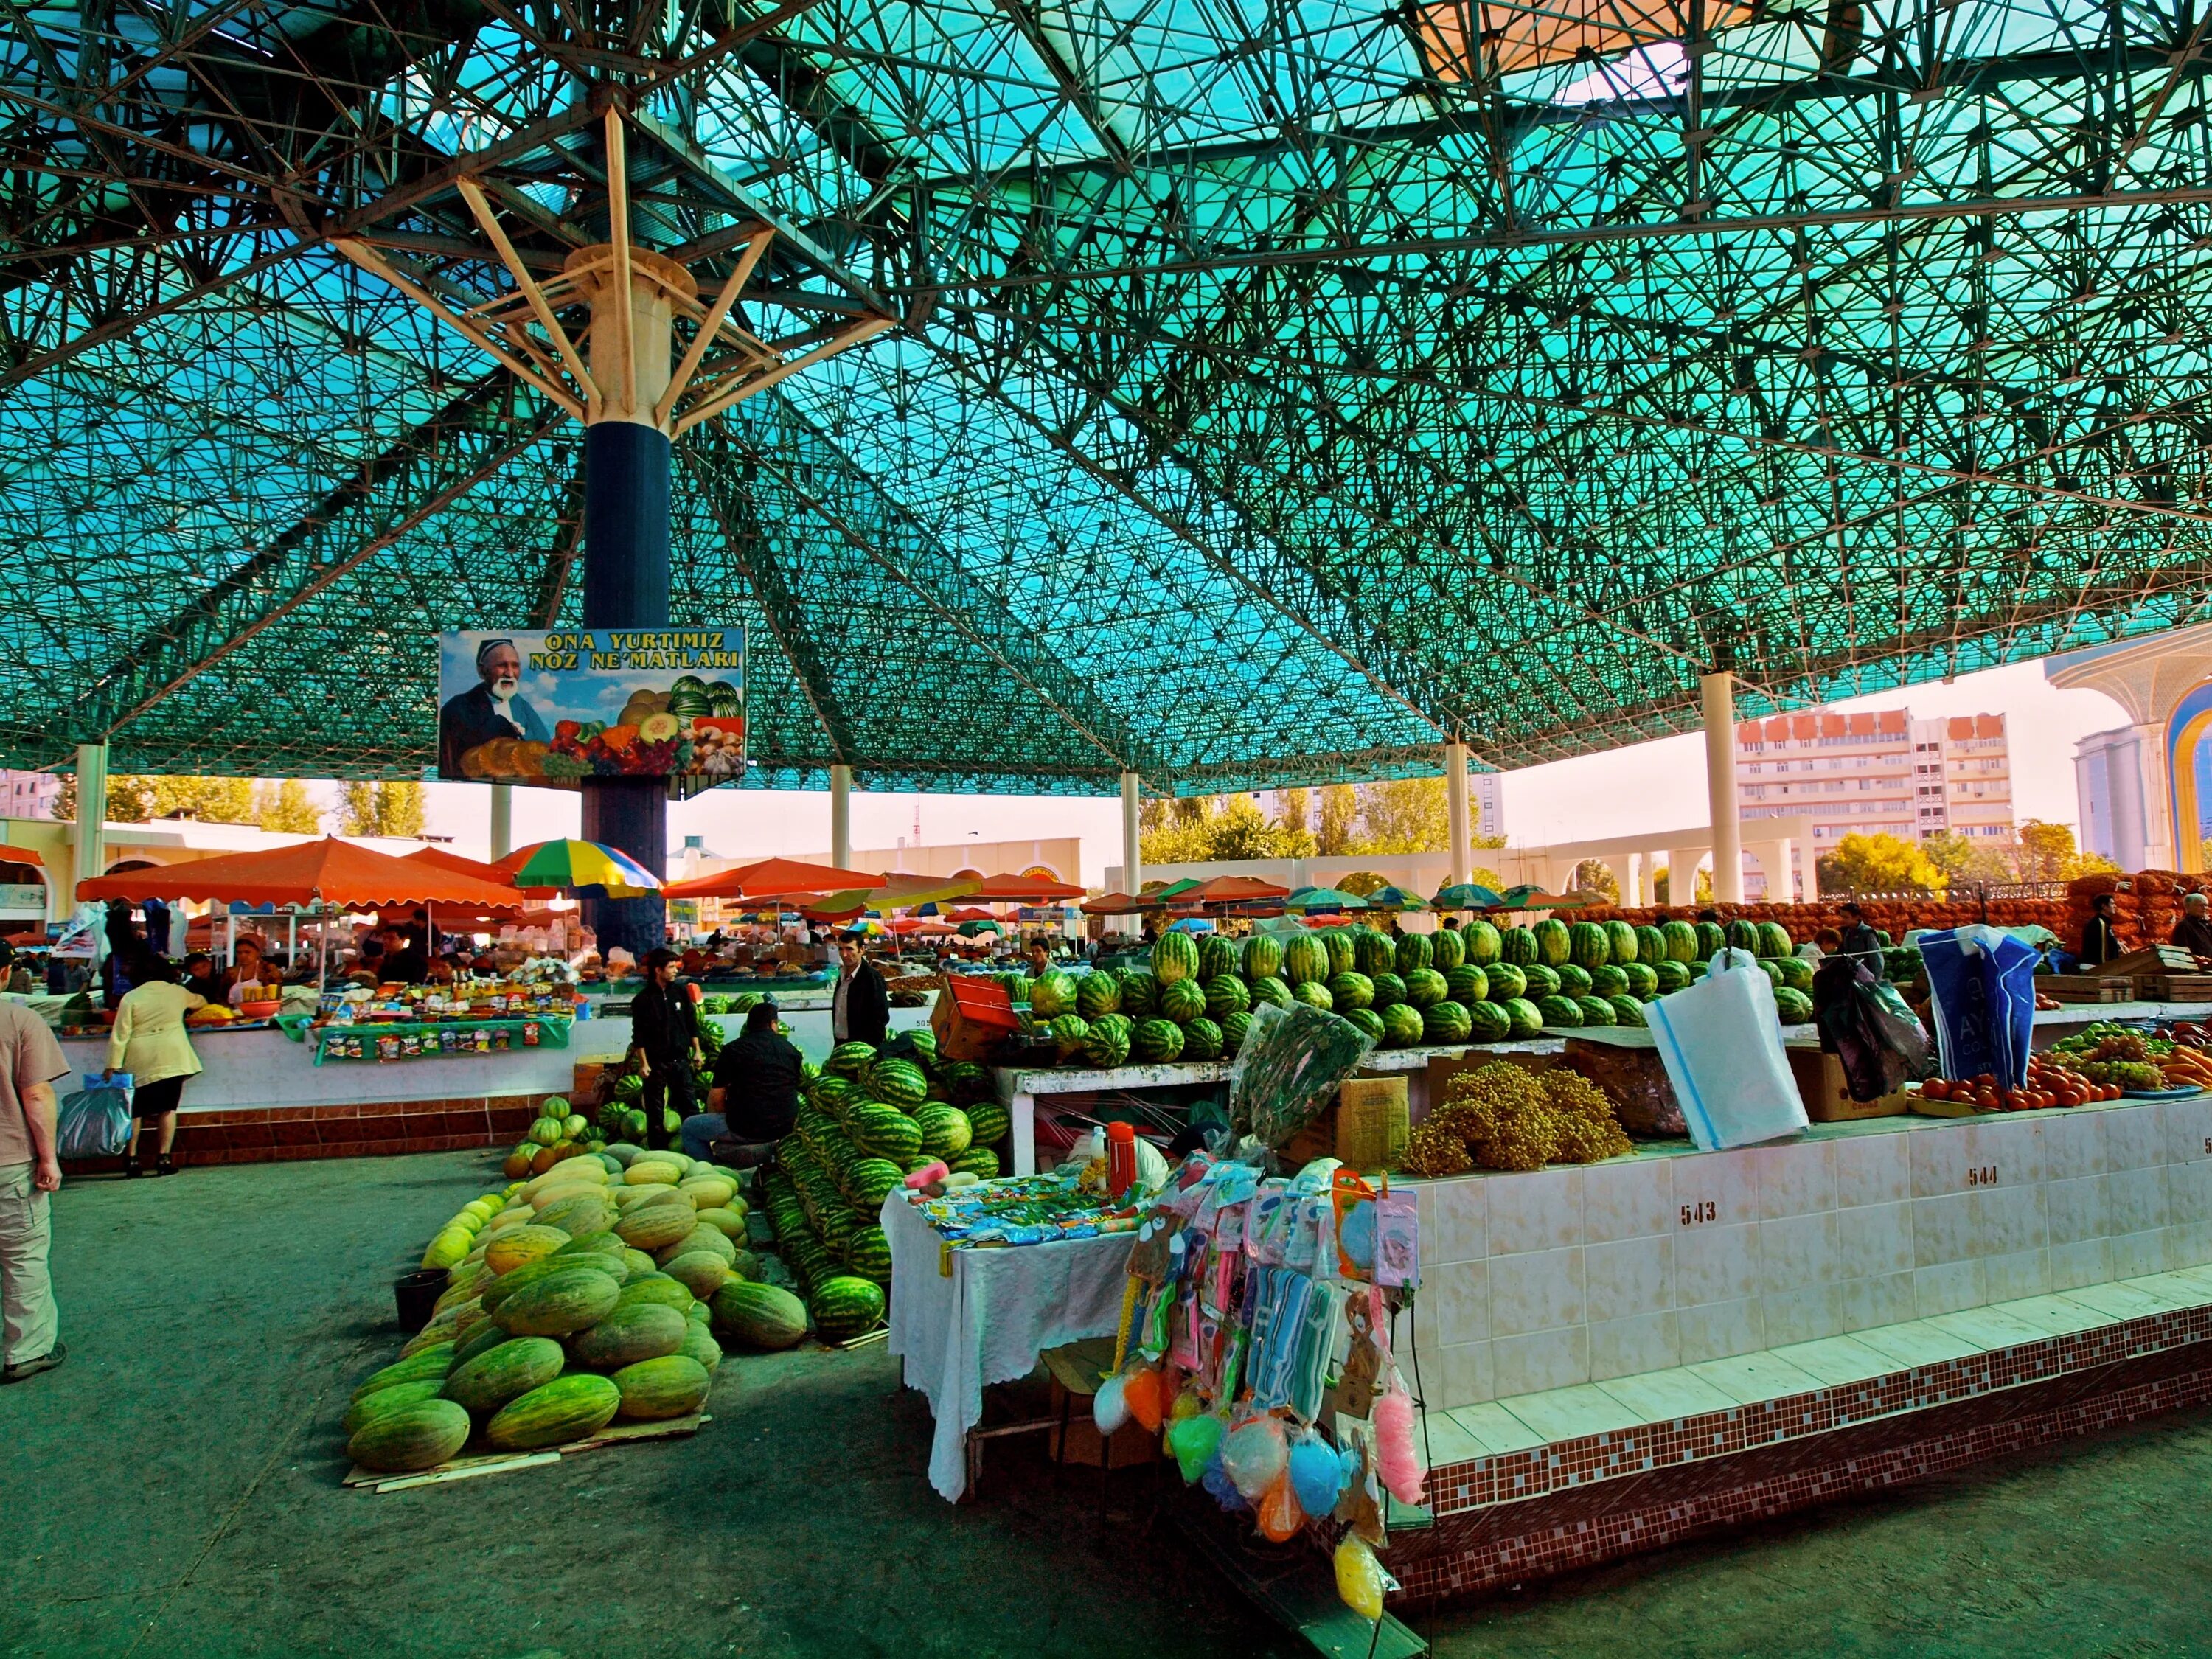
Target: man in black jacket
(860,1011)
(664,1036)
(1860,943)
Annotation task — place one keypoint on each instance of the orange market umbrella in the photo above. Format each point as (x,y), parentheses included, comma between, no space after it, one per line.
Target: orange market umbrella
(768,877)
(1022,890)
(1232,890)
(333,871)
(1120,904)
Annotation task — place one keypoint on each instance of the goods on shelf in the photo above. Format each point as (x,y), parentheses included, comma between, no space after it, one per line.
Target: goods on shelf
(546,1334)
(1502,1116)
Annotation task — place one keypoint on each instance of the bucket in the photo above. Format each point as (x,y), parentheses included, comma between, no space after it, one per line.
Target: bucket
(417,1297)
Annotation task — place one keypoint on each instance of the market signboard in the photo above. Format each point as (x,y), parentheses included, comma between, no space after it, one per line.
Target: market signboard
(550,708)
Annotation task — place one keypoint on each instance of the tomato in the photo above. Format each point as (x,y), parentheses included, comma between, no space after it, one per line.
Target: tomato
(1985,1100)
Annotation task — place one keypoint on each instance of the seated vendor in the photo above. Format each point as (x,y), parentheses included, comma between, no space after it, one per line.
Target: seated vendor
(755,1095)
(2193,932)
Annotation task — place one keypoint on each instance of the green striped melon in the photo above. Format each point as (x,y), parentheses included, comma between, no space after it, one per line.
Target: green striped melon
(1528,1019)
(1542,981)
(874,1177)
(1226,994)
(1217,955)
(1052,995)
(1375,953)
(1467,985)
(1596,1010)
(488,1335)
(700,1272)
(1305,960)
(988,1123)
(1621,941)
(644,1330)
(886,1132)
(1797,973)
(846,1306)
(1314,993)
(1609,980)
(1271,992)
(659,1390)
(1098,993)
(1447,950)
(759,1315)
(1627,1011)
(1517,946)
(1201,1040)
(1401,1025)
(899,1082)
(1368,1021)
(1588,945)
(1486,1021)
(1712,939)
(1413,954)
(1141,995)
(1389,989)
(1067,1032)
(1506,982)
(497,1376)
(1425,986)
(390,1400)
(1640,979)
(1262,957)
(1681,938)
(409,1439)
(1792,1007)
(1650,945)
(1445,1022)
(1554,944)
(1106,1045)
(571,1407)
(1574,979)
(1183,1001)
(432,1362)
(559,1303)
(1774,940)
(850,1059)
(966,1082)
(652,1227)
(1561,1011)
(1175,958)
(699,1343)
(1349,990)
(1234,1029)
(655,1286)
(868,1252)
(1156,1042)
(945,1129)
(1482,943)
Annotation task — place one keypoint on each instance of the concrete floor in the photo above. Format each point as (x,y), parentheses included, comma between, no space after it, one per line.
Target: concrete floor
(173,1490)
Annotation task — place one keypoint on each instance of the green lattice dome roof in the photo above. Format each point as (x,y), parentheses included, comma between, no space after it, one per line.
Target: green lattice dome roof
(1280,389)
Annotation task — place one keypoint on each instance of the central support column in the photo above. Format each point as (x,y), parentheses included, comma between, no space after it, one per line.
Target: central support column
(1461,828)
(1133,852)
(502,820)
(90,854)
(1718,693)
(841,817)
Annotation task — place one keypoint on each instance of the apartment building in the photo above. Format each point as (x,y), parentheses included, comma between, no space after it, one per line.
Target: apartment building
(1883,772)
(28,795)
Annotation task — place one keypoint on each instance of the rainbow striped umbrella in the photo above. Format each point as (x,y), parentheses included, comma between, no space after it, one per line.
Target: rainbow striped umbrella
(581,864)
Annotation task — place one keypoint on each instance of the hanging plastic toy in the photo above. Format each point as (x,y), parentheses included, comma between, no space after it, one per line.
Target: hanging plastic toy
(1280,1517)
(1255,1454)
(1193,1441)
(1316,1473)
(1140,1395)
(1110,1407)
(1398,1458)
(1360,1581)
(1220,1488)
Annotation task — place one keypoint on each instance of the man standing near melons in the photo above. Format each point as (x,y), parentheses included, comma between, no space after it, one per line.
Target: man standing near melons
(30,1172)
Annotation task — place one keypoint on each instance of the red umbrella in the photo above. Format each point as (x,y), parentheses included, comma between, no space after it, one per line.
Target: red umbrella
(1023,889)
(1120,904)
(972,913)
(336,873)
(1232,890)
(771,878)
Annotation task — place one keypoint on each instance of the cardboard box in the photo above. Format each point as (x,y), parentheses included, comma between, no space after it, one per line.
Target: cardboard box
(1828,1098)
(1365,1127)
(2084,987)
(973,1017)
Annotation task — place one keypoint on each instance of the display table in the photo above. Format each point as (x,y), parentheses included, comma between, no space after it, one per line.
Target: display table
(962,1320)
(1018,1087)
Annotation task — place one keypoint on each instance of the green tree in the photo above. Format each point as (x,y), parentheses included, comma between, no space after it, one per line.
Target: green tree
(392,808)
(1595,876)
(1659,885)
(1294,836)
(2044,850)
(1340,820)
(135,800)
(1949,852)
(1404,815)
(285,809)
(1879,864)
(1240,830)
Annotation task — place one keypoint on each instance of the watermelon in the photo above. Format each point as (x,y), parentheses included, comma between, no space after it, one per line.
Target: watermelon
(899,1082)
(1304,960)
(1506,982)
(1225,994)
(1712,941)
(1270,990)
(659,1390)
(1445,1022)
(988,1123)
(1574,979)
(1341,947)
(886,1132)
(564,1301)
(1389,989)
(1542,981)
(868,1252)
(1262,957)
(1401,1025)
(1234,1029)
(644,1330)
(1671,976)
(1156,1042)
(1098,993)
(1774,940)
(1349,990)
(1793,1006)
(1797,973)
(1467,985)
(1609,980)
(1640,980)
(1052,995)
(1588,945)
(1526,1018)
(407,1438)
(1596,1010)
(1561,1011)
(1314,993)
(849,1060)
(1068,1033)
(1681,941)
(1447,950)
(945,1130)
(1174,957)
(758,1316)
(1201,1039)
(1554,944)
(1368,1021)
(1619,941)
(966,1082)
(1772,970)
(1181,1000)
(1486,1021)
(1425,986)
(846,1306)
(1108,1043)
(1217,955)
(1141,995)
(1743,935)
(1481,942)
(1651,945)
(571,1407)
(1627,1011)
(978,1161)
(1375,953)
(1412,953)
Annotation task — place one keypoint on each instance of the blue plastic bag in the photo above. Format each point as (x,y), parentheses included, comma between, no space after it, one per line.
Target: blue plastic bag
(95,1119)
(1981,984)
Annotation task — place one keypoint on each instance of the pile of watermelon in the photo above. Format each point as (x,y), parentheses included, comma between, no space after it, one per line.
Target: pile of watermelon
(866,1121)
(591,1292)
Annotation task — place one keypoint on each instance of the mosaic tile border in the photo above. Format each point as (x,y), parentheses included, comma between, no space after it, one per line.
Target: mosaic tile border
(1510,1555)
(1514,1476)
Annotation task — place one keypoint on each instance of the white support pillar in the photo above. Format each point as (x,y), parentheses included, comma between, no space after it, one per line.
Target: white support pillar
(1133,851)
(841,817)
(1718,693)
(91,850)
(1461,827)
(502,820)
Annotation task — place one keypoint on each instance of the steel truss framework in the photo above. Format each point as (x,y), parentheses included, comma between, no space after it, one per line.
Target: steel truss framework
(1282,387)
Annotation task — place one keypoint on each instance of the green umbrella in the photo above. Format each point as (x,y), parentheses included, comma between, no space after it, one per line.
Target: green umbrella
(1324,899)
(1395,898)
(1468,896)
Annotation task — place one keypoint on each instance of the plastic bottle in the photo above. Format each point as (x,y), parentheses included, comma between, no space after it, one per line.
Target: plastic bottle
(1120,1159)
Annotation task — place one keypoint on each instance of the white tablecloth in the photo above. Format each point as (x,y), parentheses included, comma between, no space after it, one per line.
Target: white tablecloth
(990,1320)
